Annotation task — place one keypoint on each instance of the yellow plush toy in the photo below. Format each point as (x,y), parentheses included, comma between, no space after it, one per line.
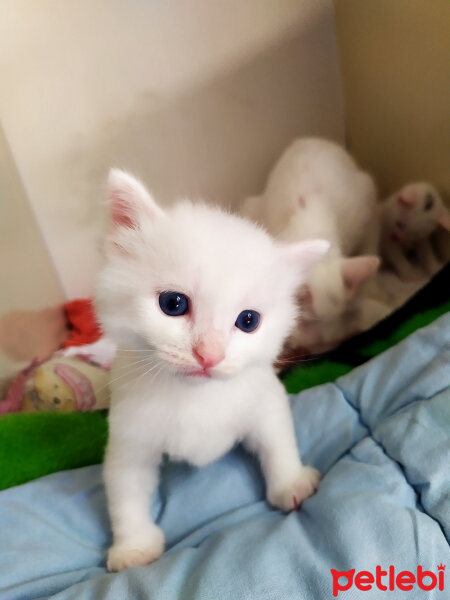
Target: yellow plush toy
(65,384)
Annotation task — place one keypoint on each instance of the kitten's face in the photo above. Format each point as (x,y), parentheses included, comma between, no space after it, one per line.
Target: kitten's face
(415,212)
(207,292)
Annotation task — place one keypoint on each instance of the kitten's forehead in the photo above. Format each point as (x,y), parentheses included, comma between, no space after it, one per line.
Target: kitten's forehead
(422,190)
(211,253)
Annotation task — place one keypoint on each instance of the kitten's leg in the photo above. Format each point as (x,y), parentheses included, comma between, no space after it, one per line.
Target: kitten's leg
(272,438)
(396,257)
(130,480)
(427,257)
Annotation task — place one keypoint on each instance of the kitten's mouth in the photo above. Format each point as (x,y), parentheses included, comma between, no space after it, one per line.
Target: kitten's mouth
(207,373)
(201,373)
(198,372)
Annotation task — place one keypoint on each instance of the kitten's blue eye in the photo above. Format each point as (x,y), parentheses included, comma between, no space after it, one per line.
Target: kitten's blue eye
(248,320)
(173,304)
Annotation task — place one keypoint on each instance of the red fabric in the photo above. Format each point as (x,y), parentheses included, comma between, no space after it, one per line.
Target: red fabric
(82,322)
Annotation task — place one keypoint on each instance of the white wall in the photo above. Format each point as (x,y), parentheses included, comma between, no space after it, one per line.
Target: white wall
(196,96)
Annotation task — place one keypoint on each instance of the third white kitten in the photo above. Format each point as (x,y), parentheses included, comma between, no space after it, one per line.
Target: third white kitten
(408,218)
(199,302)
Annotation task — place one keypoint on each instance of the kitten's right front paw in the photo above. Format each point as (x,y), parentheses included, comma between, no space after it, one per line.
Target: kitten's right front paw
(136,551)
(291,495)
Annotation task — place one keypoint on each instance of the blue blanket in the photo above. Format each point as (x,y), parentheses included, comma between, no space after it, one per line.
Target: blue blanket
(380,435)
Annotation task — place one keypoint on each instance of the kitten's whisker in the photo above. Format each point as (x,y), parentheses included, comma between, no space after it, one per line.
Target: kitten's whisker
(121,367)
(282,363)
(129,369)
(132,370)
(135,350)
(108,384)
(152,368)
(159,371)
(298,360)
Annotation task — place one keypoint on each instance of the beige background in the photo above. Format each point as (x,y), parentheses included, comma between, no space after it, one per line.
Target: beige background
(28,279)
(27,276)
(395,62)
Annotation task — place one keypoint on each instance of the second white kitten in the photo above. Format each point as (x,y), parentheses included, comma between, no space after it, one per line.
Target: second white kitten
(317,190)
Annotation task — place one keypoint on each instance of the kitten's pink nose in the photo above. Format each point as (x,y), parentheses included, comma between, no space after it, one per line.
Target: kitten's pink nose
(208,353)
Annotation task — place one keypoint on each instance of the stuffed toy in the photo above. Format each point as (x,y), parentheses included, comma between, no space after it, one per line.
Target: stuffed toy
(60,384)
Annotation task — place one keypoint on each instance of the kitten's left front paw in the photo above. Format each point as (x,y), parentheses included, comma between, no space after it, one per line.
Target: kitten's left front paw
(291,495)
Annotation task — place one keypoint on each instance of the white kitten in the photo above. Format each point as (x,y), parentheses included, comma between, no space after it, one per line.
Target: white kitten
(200,303)
(317,190)
(314,335)
(408,218)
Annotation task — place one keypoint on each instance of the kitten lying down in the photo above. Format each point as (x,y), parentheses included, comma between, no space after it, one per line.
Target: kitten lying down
(313,335)
(316,189)
(199,302)
(316,334)
(408,219)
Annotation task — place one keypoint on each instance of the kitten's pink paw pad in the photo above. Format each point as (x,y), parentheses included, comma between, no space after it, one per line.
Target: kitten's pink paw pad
(291,496)
(135,552)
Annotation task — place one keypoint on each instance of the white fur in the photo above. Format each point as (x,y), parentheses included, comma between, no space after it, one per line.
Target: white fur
(224,264)
(407,226)
(316,336)
(317,190)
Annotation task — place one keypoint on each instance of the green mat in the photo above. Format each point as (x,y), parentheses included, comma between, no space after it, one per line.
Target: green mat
(33,445)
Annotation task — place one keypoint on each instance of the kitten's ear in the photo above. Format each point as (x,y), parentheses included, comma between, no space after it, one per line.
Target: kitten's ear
(356,270)
(406,198)
(302,255)
(444,219)
(129,200)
